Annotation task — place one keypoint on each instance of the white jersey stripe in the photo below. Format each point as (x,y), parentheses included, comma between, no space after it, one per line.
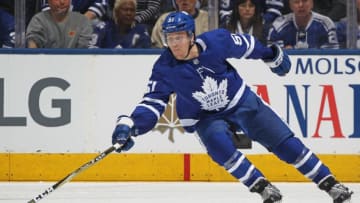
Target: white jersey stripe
(158,101)
(156,112)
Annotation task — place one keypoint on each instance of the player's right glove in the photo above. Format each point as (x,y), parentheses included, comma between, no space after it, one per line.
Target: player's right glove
(281,63)
(123,132)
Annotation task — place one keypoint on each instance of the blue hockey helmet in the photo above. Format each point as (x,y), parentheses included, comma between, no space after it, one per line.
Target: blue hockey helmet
(178,21)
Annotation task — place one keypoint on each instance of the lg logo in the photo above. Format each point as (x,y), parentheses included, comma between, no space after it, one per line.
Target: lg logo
(64,105)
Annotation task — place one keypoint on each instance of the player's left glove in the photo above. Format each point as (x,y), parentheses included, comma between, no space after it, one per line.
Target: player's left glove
(281,63)
(123,132)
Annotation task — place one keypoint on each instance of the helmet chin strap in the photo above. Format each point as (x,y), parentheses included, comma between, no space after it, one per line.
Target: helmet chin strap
(188,53)
(192,43)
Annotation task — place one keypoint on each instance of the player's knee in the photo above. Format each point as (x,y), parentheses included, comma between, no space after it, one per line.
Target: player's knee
(291,150)
(209,131)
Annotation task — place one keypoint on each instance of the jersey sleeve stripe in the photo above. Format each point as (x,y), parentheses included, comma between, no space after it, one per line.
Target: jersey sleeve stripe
(250,45)
(157,101)
(152,109)
(272,10)
(96,11)
(275,3)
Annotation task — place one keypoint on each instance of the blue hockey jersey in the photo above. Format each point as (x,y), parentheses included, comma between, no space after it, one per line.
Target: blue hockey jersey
(205,86)
(7,30)
(319,33)
(107,35)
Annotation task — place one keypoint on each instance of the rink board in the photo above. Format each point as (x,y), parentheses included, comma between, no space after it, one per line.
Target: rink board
(58,111)
(158,167)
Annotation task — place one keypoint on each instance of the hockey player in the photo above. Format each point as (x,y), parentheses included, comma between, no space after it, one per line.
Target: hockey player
(212,97)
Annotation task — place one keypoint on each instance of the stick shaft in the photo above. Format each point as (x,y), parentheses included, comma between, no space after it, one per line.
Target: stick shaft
(75,173)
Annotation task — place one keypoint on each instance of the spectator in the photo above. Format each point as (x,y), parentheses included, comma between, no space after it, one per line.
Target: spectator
(189,6)
(31,8)
(341,28)
(147,11)
(7,30)
(166,6)
(170,5)
(121,31)
(245,19)
(334,9)
(92,9)
(59,28)
(269,10)
(303,28)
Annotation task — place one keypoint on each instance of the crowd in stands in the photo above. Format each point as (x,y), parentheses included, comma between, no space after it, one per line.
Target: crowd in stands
(293,24)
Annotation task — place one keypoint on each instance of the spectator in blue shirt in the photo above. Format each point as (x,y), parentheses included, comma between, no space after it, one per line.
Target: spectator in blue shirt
(122,31)
(7,29)
(303,28)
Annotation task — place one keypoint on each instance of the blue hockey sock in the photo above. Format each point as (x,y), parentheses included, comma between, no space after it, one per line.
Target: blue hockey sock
(294,152)
(216,136)
(242,169)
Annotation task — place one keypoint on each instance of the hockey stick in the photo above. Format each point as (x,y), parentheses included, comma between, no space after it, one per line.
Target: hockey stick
(75,173)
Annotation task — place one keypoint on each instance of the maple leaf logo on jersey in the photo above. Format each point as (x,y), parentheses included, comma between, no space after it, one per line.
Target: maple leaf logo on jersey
(213,96)
(169,121)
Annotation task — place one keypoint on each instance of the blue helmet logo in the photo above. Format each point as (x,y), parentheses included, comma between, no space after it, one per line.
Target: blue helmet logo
(177,22)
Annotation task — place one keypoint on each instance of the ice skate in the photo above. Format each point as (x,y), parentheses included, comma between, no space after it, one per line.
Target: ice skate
(269,193)
(340,193)
(337,191)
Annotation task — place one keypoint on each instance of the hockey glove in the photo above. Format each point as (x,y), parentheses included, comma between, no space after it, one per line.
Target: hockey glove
(123,132)
(281,63)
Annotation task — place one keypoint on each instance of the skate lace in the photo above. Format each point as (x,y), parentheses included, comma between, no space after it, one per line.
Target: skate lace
(340,193)
(271,194)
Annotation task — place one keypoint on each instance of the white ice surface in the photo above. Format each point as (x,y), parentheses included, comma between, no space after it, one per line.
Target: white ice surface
(160,192)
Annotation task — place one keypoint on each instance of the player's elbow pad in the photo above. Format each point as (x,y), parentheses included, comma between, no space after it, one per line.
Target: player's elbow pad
(281,63)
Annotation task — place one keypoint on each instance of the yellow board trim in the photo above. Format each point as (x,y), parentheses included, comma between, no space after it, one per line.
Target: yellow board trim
(157,167)
(4,166)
